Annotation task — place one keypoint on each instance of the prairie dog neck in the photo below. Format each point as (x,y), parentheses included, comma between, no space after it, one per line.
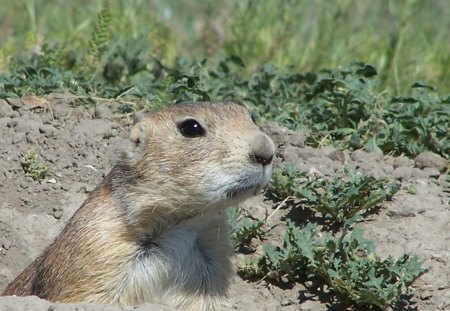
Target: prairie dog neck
(164,264)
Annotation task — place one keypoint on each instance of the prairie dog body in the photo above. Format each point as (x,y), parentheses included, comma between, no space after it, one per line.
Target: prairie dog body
(154,229)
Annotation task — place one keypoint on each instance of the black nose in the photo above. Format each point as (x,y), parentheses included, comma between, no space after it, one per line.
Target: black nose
(264,159)
(262,149)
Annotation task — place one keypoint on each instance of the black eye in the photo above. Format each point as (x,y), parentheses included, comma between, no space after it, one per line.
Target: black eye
(191,128)
(254,116)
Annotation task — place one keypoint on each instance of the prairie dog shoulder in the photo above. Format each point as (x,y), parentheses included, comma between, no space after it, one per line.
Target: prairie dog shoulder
(154,229)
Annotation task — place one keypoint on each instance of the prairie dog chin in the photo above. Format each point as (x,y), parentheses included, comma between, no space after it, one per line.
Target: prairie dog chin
(154,229)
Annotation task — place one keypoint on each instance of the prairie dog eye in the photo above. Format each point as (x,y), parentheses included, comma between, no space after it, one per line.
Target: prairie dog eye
(254,116)
(191,128)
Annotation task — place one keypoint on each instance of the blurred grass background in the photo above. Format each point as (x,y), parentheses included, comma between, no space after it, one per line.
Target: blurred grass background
(406,40)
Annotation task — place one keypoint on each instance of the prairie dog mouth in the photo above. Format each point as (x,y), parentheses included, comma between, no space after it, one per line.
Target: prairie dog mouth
(243,190)
(249,184)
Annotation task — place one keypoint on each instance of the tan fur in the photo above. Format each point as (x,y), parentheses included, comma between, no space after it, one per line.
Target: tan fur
(154,230)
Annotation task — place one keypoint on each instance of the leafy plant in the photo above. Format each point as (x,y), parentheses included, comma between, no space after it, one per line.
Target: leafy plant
(32,167)
(243,228)
(348,264)
(337,199)
(343,106)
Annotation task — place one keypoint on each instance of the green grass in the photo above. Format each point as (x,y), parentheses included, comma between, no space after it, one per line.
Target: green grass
(407,40)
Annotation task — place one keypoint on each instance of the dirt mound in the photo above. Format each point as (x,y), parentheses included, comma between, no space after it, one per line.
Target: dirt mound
(78,146)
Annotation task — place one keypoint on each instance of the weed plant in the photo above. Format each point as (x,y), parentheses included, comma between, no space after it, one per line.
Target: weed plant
(33,167)
(335,199)
(345,261)
(347,264)
(243,228)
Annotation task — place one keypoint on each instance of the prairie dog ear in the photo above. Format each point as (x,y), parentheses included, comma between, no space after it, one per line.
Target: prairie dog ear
(138,117)
(138,139)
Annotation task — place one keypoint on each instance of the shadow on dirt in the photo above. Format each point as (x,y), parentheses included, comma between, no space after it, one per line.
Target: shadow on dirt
(334,302)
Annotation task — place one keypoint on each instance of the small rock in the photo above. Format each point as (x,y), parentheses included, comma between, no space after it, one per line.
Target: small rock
(32,138)
(26,126)
(431,172)
(426,295)
(6,244)
(47,129)
(87,189)
(12,123)
(16,102)
(308,152)
(109,133)
(283,136)
(336,166)
(401,212)
(298,138)
(363,156)
(418,173)
(25,200)
(17,138)
(81,112)
(4,122)
(387,168)
(338,155)
(103,112)
(286,302)
(403,172)
(403,161)
(5,109)
(430,159)
(406,209)
(61,110)
(57,213)
(289,153)
(46,188)
(273,129)
(320,161)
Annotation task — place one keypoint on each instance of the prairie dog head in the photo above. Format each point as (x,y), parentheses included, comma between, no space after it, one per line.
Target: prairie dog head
(192,158)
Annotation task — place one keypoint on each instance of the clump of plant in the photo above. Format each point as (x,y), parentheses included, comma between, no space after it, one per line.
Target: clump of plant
(33,167)
(243,228)
(342,107)
(338,106)
(347,264)
(336,199)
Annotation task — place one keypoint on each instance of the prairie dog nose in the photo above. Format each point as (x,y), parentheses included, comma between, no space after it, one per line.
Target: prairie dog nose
(262,149)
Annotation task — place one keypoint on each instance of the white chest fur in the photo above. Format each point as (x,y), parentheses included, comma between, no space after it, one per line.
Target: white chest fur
(188,266)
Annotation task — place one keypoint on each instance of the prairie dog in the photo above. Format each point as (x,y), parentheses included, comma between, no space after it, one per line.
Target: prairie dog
(154,229)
